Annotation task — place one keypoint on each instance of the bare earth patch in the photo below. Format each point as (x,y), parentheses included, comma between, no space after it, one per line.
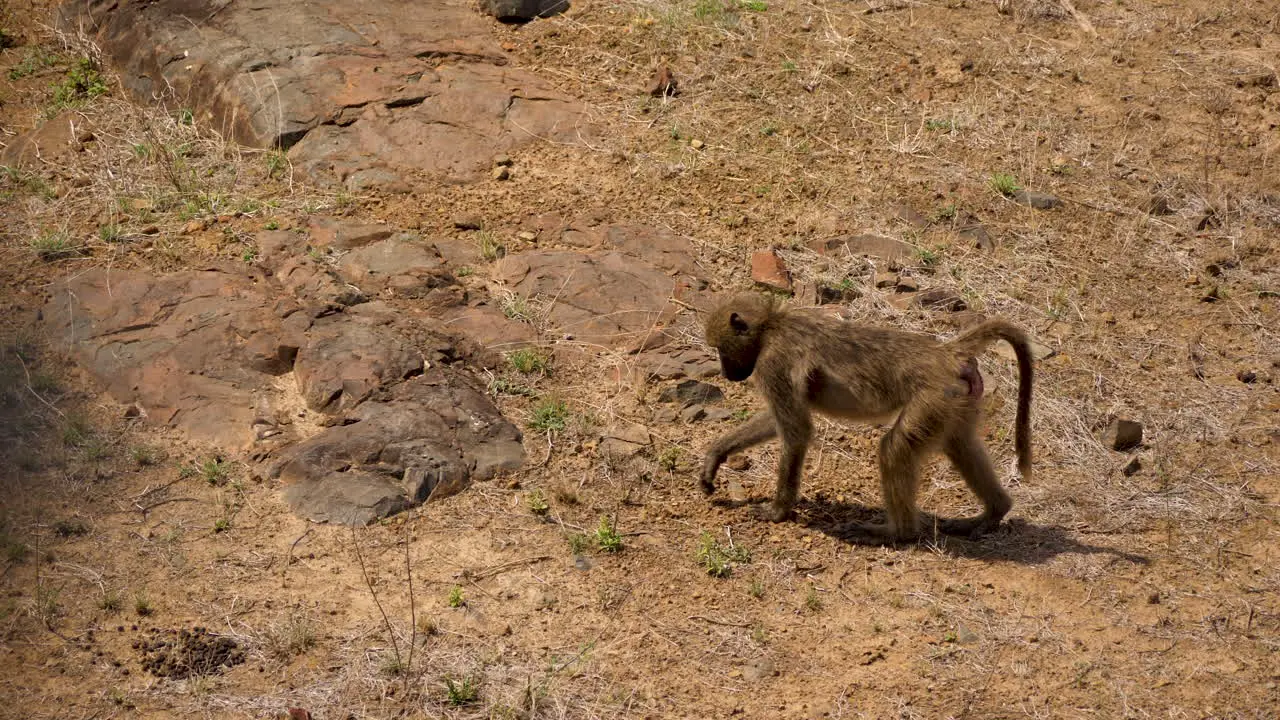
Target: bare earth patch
(1101,173)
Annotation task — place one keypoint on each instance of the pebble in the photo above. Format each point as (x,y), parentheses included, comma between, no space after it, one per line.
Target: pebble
(501,172)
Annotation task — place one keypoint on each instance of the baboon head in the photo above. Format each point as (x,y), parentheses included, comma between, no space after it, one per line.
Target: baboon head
(735,330)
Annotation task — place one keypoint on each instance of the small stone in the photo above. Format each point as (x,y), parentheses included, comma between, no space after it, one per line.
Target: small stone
(886,280)
(769,270)
(1109,318)
(693,413)
(527,236)
(1157,205)
(1122,435)
(502,161)
(976,234)
(663,83)
(1248,377)
(1037,200)
(689,392)
(696,144)
(1132,467)
(738,463)
(759,670)
(907,284)
(468,222)
(501,173)
(965,636)
(940,299)
(908,214)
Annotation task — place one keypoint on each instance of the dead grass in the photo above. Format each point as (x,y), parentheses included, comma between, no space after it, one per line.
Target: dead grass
(812,120)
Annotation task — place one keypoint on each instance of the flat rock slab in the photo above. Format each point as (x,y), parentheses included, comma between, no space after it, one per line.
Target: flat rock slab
(365,93)
(203,351)
(619,294)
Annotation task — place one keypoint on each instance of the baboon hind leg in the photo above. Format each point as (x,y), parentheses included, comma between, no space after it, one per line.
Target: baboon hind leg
(965,450)
(902,450)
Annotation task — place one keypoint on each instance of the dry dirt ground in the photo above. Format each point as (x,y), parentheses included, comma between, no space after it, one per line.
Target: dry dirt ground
(1150,593)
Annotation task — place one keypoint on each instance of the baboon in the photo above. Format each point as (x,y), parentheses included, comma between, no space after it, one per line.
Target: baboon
(805,361)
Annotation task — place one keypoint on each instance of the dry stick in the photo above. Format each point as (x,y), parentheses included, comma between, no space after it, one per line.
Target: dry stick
(413,611)
(288,560)
(395,646)
(713,621)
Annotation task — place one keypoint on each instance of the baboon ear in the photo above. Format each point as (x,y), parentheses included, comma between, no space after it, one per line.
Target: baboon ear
(738,324)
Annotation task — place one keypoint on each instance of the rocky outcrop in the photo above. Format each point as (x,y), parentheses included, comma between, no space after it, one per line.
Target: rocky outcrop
(365,93)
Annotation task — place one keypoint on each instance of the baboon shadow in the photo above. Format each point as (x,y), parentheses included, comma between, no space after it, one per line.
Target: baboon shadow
(1016,540)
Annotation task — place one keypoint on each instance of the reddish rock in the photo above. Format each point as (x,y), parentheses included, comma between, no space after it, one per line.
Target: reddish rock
(769,270)
(663,83)
(878,246)
(367,93)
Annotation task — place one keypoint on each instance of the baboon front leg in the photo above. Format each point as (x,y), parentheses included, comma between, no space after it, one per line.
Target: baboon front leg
(759,428)
(796,428)
(965,450)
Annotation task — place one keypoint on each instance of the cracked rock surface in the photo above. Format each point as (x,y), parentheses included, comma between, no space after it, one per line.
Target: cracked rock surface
(366,93)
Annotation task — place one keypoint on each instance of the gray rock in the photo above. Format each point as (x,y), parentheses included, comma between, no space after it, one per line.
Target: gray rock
(343,362)
(689,392)
(1037,200)
(523,10)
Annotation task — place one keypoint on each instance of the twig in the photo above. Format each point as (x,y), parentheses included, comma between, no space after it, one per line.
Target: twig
(386,621)
(713,621)
(288,560)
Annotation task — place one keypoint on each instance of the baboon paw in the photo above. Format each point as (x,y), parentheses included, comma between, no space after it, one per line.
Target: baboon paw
(771,513)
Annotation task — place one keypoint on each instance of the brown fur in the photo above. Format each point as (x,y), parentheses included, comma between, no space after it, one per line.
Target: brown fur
(804,361)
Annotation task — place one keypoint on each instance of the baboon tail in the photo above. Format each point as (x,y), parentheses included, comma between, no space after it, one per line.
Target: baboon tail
(972,342)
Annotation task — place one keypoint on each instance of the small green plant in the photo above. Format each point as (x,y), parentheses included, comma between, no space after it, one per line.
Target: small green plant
(109,233)
(712,10)
(516,307)
(759,634)
(812,602)
(271,225)
(82,83)
(753,5)
(186,117)
(77,431)
(222,524)
(461,692)
(110,601)
(23,181)
(35,60)
(70,528)
(741,414)
(142,605)
(607,537)
(14,550)
(939,125)
(717,559)
(456,598)
(756,588)
(537,502)
(946,213)
(57,245)
(928,257)
(490,248)
(465,271)
(1005,184)
(578,543)
(503,386)
(277,163)
(769,130)
(214,471)
(528,361)
(550,416)
(249,255)
(669,458)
